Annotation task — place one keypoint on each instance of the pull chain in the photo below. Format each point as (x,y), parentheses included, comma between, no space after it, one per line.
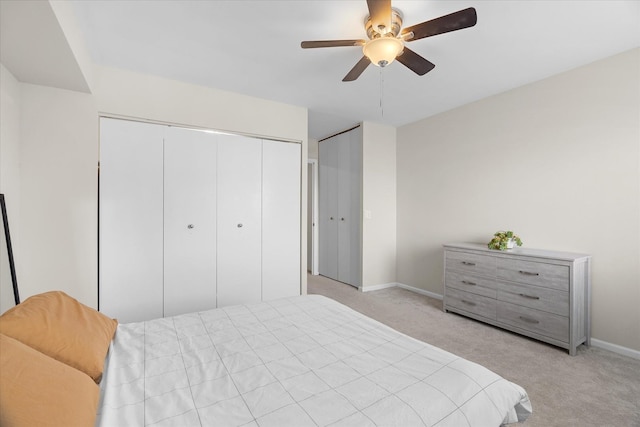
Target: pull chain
(381,93)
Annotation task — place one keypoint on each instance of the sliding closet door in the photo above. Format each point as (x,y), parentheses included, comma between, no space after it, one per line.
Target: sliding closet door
(280,219)
(189,221)
(130,230)
(239,220)
(328,207)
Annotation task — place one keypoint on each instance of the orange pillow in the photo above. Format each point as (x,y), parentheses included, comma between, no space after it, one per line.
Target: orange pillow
(61,327)
(36,390)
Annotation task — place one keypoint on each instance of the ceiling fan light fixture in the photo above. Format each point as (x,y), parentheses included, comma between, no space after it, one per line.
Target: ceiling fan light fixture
(383,50)
(387,37)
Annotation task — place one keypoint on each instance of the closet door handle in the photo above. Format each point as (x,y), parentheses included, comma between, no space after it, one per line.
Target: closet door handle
(469,263)
(331,218)
(190,226)
(529,296)
(341,219)
(468,283)
(468,302)
(239,225)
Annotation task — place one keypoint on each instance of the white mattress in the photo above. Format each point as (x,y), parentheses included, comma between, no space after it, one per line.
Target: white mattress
(299,361)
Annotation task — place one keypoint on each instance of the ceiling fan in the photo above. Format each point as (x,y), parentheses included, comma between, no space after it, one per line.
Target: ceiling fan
(387,38)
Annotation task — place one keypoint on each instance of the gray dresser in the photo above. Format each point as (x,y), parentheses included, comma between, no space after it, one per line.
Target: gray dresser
(538,293)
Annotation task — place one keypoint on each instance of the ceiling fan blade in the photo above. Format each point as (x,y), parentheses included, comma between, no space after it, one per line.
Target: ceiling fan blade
(454,21)
(357,69)
(331,43)
(415,62)
(380,14)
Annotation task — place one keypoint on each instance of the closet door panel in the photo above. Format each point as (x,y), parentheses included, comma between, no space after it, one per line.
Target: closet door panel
(323,208)
(345,220)
(328,208)
(239,179)
(280,219)
(130,230)
(189,221)
(355,208)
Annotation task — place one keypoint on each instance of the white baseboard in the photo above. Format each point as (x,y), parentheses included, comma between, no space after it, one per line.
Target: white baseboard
(615,348)
(419,291)
(400,285)
(625,351)
(377,287)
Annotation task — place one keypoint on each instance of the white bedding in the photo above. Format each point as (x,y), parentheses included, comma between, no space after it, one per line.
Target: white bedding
(299,361)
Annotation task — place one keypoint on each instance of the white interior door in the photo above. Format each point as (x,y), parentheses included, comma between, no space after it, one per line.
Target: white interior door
(328,189)
(130,230)
(189,221)
(239,179)
(280,220)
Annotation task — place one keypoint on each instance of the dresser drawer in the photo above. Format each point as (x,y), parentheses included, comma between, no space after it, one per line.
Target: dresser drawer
(468,283)
(471,303)
(544,299)
(543,323)
(534,273)
(483,265)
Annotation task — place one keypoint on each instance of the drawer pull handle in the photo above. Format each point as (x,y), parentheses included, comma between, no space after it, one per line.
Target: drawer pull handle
(529,296)
(468,283)
(468,263)
(528,273)
(529,320)
(468,302)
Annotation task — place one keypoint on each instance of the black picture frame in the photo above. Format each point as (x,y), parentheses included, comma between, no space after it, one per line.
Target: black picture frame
(7,237)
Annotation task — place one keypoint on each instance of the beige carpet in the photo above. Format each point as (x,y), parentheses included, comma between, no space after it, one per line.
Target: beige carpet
(594,388)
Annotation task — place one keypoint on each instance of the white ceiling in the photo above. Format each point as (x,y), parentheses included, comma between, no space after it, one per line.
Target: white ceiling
(34,48)
(253,48)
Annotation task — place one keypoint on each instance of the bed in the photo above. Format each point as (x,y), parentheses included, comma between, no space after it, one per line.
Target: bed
(306,360)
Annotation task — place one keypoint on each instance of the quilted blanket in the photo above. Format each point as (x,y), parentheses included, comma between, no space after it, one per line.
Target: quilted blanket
(301,361)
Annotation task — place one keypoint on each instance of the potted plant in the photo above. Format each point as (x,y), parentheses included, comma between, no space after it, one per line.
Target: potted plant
(503,240)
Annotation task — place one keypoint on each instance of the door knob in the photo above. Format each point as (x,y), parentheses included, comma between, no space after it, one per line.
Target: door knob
(239,225)
(341,219)
(190,226)
(331,218)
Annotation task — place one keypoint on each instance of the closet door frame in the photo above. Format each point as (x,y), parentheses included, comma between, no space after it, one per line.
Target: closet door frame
(340,182)
(154,297)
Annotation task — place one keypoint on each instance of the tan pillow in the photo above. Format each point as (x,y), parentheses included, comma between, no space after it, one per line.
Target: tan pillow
(36,390)
(61,327)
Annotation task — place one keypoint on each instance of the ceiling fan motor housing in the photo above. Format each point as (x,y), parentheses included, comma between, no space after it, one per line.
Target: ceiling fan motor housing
(393,30)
